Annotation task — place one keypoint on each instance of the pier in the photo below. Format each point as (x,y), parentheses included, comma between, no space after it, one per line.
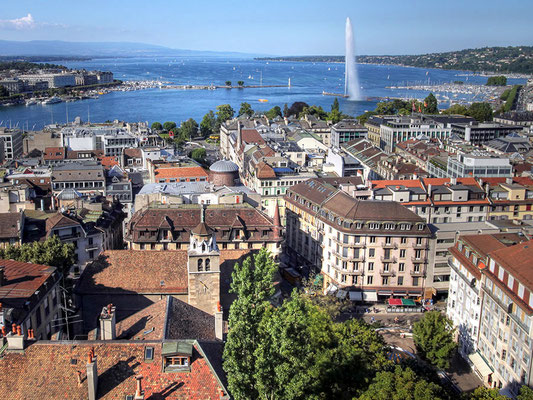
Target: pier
(214,87)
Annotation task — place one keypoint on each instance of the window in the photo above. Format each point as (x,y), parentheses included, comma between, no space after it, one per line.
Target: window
(402,253)
(200,265)
(369,280)
(148,353)
(401,267)
(207,264)
(415,281)
(371,253)
(372,239)
(371,266)
(400,281)
(403,240)
(385,280)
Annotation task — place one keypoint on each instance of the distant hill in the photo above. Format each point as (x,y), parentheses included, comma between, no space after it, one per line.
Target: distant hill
(98,49)
(517,59)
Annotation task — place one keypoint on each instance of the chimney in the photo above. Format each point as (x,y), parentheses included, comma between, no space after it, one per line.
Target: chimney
(108,323)
(219,323)
(92,375)
(139,394)
(509,181)
(429,190)
(2,275)
(453,181)
(15,339)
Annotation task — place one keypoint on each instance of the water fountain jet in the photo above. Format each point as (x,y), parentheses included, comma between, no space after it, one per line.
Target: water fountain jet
(351,83)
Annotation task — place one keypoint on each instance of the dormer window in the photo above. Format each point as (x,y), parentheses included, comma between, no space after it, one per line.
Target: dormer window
(177,356)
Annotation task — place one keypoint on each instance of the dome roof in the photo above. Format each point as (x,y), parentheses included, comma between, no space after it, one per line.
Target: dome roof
(224,166)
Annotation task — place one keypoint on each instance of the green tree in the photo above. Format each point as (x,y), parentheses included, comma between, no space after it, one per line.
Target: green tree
(317,111)
(525,393)
(199,155)
(51,252)
(252,282)
(480,111)
(228,83)
(335,105)
(433,337)
(285,110)
(169,125)
(335,116)
(456,109)
(240,83)
(156,126)
(497,81)
(207,126)
(224,113)
(483,393)
(273,112)
(294,352)
(401,384)
(296,108)
(246,109)
(3,91)
(431,104)
(188,129)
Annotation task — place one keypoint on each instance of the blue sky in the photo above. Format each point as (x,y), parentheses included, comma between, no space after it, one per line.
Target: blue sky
(287,27)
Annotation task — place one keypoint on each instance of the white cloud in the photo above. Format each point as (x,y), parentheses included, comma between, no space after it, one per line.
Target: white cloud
(22,23)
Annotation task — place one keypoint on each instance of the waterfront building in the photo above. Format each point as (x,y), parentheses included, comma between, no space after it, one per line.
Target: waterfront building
(13,86)
(54,80)
(12,143)
(346,131)
(375,249)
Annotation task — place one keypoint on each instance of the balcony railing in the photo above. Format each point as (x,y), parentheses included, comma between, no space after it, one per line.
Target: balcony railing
(390,259)
(387,272)
(393,245)
(421,246)
(421,260)
(421,272)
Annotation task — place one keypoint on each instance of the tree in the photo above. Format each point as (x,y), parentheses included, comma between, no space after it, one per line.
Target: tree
(431,104)
(252,283)
(401,384)
(480,111)
(317,111)
(3,91)
(188,129)
(168,126)
(240,83)
(156,126)
(228,83)
(199,155)
(296,108)
(456,109)
(433,337)
(246,109)
(295,351)
(51,252)
(335,105)
(483,393)
(497,81)
(525,393)
(224,113)
(273,112)
(207,126)
(285,110)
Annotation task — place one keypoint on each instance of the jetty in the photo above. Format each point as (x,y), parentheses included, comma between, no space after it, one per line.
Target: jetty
(214,87)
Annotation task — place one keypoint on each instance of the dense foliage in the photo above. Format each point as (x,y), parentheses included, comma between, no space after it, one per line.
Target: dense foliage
(156,126)
(433,337)
(246,109)
(402,107)
(497,81)
(51,252)
(224,113)
(199,155)
(208,124)
(480,111)
(518,59)
(24,66)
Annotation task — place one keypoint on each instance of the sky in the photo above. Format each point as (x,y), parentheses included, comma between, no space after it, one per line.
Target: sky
(276,27)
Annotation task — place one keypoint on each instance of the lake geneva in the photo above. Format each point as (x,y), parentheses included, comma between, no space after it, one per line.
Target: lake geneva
(308,81)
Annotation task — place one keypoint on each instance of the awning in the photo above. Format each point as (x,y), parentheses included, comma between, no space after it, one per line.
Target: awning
(480,365)
(408,302)
(385,293)
(370,296)
(356,296)
(395,302)
(331,289)
(341,294)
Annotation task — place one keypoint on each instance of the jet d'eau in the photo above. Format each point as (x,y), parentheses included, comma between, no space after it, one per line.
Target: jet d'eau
(352,89)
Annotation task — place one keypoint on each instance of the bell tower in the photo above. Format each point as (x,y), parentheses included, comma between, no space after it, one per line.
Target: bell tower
(203,267)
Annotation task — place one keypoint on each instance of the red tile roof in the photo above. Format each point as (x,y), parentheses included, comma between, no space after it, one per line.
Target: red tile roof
(54,153)
(48,370)
(252,136)
(108,161)
(396,182)
(22,280)
(518,261)
(180,172)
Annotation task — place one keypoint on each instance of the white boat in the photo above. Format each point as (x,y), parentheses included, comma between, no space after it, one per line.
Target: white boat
(31,102)
(52,100)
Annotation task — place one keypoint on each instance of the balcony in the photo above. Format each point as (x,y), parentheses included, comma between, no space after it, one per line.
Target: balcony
(390,245)
(421,260)
(387,272)
(354,272)
(420,246)
(421,272)
(389,259)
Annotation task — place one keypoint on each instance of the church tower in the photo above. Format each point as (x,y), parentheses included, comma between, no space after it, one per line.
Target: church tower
(203,267)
